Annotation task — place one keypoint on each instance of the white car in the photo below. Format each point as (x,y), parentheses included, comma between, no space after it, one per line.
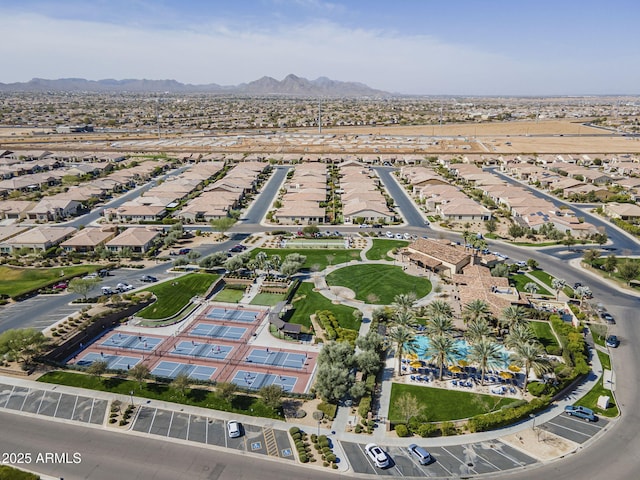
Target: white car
(124,287)
(399,236)
(389,235)
(377,455)
(234,429)
(407,236)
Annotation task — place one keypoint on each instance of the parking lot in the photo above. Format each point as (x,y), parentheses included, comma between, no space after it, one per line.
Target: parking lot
(53,404)
(451,461)
(210,431)
(574,429)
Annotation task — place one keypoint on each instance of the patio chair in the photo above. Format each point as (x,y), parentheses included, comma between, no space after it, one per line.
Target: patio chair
(454,383)
(413,377)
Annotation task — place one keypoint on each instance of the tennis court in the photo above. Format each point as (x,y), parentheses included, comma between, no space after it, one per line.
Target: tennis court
(205,350)
(173,369)
(114,362)
(218,331)
(132,342)
(277,359)
(233,315)
(256,380)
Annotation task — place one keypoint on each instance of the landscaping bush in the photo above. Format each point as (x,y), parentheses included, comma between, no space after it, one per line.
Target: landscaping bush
(554,350)
(358,428)
(296,436)
(428,430)
(328,409)
(448,428)
(365,406)
(402,430)
(536,389)
(331,457)
(294,430)
(493,420)
(304,458)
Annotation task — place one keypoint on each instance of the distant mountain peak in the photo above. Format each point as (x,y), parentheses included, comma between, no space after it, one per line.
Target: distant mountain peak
(290,85)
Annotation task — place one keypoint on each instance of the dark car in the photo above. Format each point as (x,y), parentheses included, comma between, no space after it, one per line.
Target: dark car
(60,286)
(607,317)
(148,278)
(184,251)
(580,412)
(235,249)
(612,341)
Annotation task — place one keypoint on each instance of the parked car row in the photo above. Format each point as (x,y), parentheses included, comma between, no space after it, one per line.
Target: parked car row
(381,459)
(120,288)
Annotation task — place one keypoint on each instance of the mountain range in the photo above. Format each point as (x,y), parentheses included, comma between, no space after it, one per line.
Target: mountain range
(290,85)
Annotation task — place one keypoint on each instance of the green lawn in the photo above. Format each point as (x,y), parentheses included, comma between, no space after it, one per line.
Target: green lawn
(599,333)
(381,246)
(11,473)
(439,404)
(244,404)
(267,299)
(590,400)
(597,267)
(175,294)
(229,295)
(382,281)
(306,302)
(543,332)
(519,280)
(317,258)
(17,281)
(543,276)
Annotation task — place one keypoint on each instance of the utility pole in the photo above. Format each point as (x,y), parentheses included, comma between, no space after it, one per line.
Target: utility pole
(320,116)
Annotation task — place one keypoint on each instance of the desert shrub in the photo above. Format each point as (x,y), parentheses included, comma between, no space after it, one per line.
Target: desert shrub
(402,430)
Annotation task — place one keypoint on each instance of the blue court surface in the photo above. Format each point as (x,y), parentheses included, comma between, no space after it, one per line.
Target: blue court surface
(114,362)
(132,342)
(256,381)
(233,315)
(173,369)
(278,359)
(218,331)
(206,350)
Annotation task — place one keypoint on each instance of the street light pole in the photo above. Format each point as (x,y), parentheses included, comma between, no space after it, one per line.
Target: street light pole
(131,397)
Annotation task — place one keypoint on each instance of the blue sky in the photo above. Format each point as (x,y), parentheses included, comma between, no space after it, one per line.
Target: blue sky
(428,47)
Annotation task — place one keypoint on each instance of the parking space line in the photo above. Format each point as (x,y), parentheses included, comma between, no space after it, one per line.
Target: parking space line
(479,455)
(24,400)
(569,429)
(93,402)
(55,412)
(73,412)
(461,461)
(40,404)
(188,425)
(226,439)
(155,410)
(170,422)
(508,457)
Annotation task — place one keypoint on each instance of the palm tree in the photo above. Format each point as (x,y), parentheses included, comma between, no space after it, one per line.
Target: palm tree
(582,292)
(487,354)
(475,310)
(558,284)
(404,302)
(405,318)
(477,330)
(512,315)
(531,287)
(275,261)
(519,333)
(529,355)
(442,350)
(404,340)
(439,308)
(438,325)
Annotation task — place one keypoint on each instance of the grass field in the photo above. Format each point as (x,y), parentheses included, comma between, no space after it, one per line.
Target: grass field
(382,281)
(519,281)
(17,281)
(590,400)
(268,299)
(173,295)
(317,258)
(543,276)
(439,404)
(316,243)
(543,332)
(381,246)
(229,295)
(306,302)
(244,404)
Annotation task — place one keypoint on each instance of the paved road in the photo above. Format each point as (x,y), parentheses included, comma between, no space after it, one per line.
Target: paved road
(107,455)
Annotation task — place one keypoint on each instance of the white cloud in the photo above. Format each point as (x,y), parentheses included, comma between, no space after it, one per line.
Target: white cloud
(226,54)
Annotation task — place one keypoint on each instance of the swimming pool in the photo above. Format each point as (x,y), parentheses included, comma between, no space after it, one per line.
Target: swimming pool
(463,351)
